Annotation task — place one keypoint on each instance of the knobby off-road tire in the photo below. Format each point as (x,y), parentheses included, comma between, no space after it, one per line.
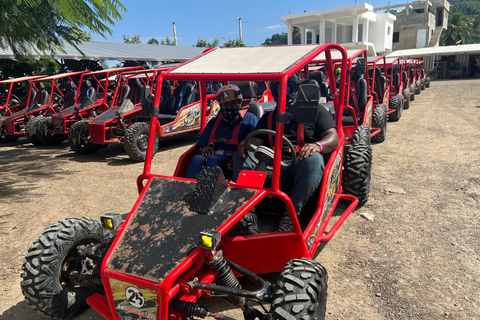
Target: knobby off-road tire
(136,141)
(357,172)
(46,284)
(395,104)
(418,86)
(31,131)
(44,135)
(77,138)
(4,138)
(406,95)
(427,82)
(301,291)
(422,82)
(361,134)
(412,89)
(379,120)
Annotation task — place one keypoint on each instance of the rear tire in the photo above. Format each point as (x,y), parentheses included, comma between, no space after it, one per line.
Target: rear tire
(45,135)
(427,82)
(379,120)
(412,89)
(136,141)
(357,172)
(47,268)
(406,95)
(77,138)
(301,291)
(31,131)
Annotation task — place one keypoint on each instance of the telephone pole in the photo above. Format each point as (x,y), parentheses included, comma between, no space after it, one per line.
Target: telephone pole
(174,34)
(240,27)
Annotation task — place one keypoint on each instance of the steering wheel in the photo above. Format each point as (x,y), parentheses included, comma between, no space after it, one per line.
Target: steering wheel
(267,154)
(14,97)
(110,94)
(58,99)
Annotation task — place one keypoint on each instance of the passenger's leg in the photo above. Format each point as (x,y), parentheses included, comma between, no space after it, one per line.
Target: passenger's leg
(196,165)
(306,176)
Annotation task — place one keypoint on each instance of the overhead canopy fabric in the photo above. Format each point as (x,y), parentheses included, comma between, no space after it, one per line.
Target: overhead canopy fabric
(246,60)
(94,50)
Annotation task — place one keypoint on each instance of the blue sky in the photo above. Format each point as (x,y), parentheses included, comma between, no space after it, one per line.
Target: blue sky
(209,19)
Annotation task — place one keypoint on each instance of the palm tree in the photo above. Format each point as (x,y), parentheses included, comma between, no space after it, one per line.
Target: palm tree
(459,27)
(47,25)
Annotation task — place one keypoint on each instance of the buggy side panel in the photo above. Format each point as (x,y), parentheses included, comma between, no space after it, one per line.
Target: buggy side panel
(162,231)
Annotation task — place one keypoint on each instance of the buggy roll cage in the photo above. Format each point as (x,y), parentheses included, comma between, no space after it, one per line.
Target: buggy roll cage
(282,78)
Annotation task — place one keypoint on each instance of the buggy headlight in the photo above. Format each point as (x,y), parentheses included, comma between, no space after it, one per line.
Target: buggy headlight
(209,239)
(111,220)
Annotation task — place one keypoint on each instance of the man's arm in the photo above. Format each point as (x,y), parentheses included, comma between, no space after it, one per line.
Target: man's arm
(328,140)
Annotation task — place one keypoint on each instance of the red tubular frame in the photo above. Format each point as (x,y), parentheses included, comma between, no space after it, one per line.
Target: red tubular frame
(252,252)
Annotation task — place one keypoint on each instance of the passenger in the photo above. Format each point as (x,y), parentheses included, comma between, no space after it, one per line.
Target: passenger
(219,141)
(306,174)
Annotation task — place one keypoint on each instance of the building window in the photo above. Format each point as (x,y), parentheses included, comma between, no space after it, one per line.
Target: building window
(388,30)
(396,36)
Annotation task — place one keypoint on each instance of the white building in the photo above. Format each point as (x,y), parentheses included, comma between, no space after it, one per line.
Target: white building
(354,26)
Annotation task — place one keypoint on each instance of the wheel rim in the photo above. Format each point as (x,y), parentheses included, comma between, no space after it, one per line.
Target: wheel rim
(142,141)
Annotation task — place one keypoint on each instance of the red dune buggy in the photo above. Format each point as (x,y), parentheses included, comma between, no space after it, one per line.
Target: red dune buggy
(176,245)
(10,103)
(93,98)
(54,93)
(128,118)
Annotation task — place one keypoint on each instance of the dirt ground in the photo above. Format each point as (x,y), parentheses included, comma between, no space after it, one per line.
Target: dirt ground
(418,258)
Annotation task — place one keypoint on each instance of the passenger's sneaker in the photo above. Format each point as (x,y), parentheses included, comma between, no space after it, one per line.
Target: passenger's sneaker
(284,224)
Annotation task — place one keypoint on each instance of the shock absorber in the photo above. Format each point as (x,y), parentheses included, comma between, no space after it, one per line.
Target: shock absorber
(225,276)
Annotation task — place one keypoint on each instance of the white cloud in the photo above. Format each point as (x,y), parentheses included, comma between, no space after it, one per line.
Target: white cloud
(275,27)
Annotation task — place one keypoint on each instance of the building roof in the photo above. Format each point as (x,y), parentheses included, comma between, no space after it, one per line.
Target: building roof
(442,50)
(95,50)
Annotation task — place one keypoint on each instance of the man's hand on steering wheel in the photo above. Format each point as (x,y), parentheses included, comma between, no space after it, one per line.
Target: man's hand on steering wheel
(307,150)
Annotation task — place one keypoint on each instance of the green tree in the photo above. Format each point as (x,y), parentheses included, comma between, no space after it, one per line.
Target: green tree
(202,43)
(234,43)
(135,39)
(43,24)
(153,41)
(282,38)
(458,28)
(168,42)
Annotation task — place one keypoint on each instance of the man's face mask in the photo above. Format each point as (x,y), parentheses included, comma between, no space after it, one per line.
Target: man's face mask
(230,111)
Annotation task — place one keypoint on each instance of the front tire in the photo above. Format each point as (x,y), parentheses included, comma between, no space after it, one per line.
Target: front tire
(45,135)
(361,135)
(396,106)
(4,138)
(406,103)
(31,130)
(379,120)
(136,141)
(53,261)
(357,172)
(301,291)
(77,138)
(418,85)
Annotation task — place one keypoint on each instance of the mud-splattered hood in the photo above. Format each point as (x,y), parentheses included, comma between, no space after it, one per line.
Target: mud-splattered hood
(163,231)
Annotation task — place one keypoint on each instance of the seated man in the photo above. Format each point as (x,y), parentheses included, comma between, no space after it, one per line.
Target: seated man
(306,173)
(220,138)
